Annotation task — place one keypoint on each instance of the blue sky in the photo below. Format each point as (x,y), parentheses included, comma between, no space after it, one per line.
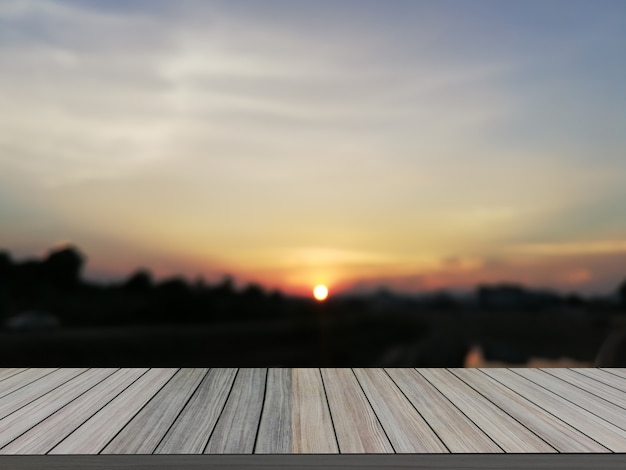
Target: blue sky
(343,142)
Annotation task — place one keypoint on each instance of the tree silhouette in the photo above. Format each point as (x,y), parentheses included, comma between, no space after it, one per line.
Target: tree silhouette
(622,292)
(139,283)
(6,265)
(62,267)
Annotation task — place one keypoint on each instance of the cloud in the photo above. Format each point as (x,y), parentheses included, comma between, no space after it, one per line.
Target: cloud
(384,135)
(598,247)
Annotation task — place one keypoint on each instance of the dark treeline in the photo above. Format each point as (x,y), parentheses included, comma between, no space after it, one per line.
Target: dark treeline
(52,317)
(55,285)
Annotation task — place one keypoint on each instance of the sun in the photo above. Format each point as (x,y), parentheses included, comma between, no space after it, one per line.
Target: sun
(320,292)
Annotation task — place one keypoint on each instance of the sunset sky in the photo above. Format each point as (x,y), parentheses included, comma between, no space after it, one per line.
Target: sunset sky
(414,144)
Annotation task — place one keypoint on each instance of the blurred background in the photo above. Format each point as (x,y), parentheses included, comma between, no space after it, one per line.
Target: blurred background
(52,317)
(177,177)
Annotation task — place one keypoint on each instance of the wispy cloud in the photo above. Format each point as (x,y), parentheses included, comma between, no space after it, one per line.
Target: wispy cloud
(381,137)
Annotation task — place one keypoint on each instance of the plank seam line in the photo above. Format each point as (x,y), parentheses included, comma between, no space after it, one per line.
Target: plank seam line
(610,371)
(28,383)
(512,417)
(58,410)
(180,411)
(418,411)
(567,399)
(586,390)
(460,411)
(373,410)
(258,427)
(600,382)
(539,406)
(14,374)
(330,413)
(45,393)
(139,410)
(230,391)
(95,412)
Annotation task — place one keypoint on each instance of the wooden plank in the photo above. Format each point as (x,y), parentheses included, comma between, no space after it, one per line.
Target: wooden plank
(24,395)
(502,428)
(17,381)
(356,424)
(48,433)
(6,373)
(601,390)
(554,431)
(28,416)
(313,431)
(191,431)
(457,431)
(275,427)
(604,377)
(620,372)
(404,426)
(93,435)
(236,428)
(595,427)
(604,409)
(144,432)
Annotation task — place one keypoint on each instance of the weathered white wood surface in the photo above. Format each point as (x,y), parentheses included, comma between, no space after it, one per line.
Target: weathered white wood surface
(590,402)
(312,411)
(313,431)
(595,427)
(191,431)
(275,428)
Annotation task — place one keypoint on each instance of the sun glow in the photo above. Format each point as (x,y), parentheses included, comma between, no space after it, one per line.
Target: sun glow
(320,292)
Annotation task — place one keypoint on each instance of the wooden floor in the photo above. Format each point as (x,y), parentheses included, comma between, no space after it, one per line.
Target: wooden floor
(312,411)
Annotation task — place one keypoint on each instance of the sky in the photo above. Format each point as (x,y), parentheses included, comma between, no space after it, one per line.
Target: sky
(413,145)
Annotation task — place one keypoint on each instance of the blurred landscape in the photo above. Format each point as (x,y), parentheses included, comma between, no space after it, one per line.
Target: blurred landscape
(452,172)
(51,317)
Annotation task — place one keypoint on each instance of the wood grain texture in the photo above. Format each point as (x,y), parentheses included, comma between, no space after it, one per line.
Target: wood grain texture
(554,431)
(313,431)
(595,427)
(405,427)
(43,437)
(6,373)
(457,431)
(620,372)
(604,409)
(351,411)
(275,427)
(36,411)
(144,432)
(92,436)
(618,383)
(236,428)
(599,389)
(502,428)
(22,379)
(191,431)
(307,411)
(24,395)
